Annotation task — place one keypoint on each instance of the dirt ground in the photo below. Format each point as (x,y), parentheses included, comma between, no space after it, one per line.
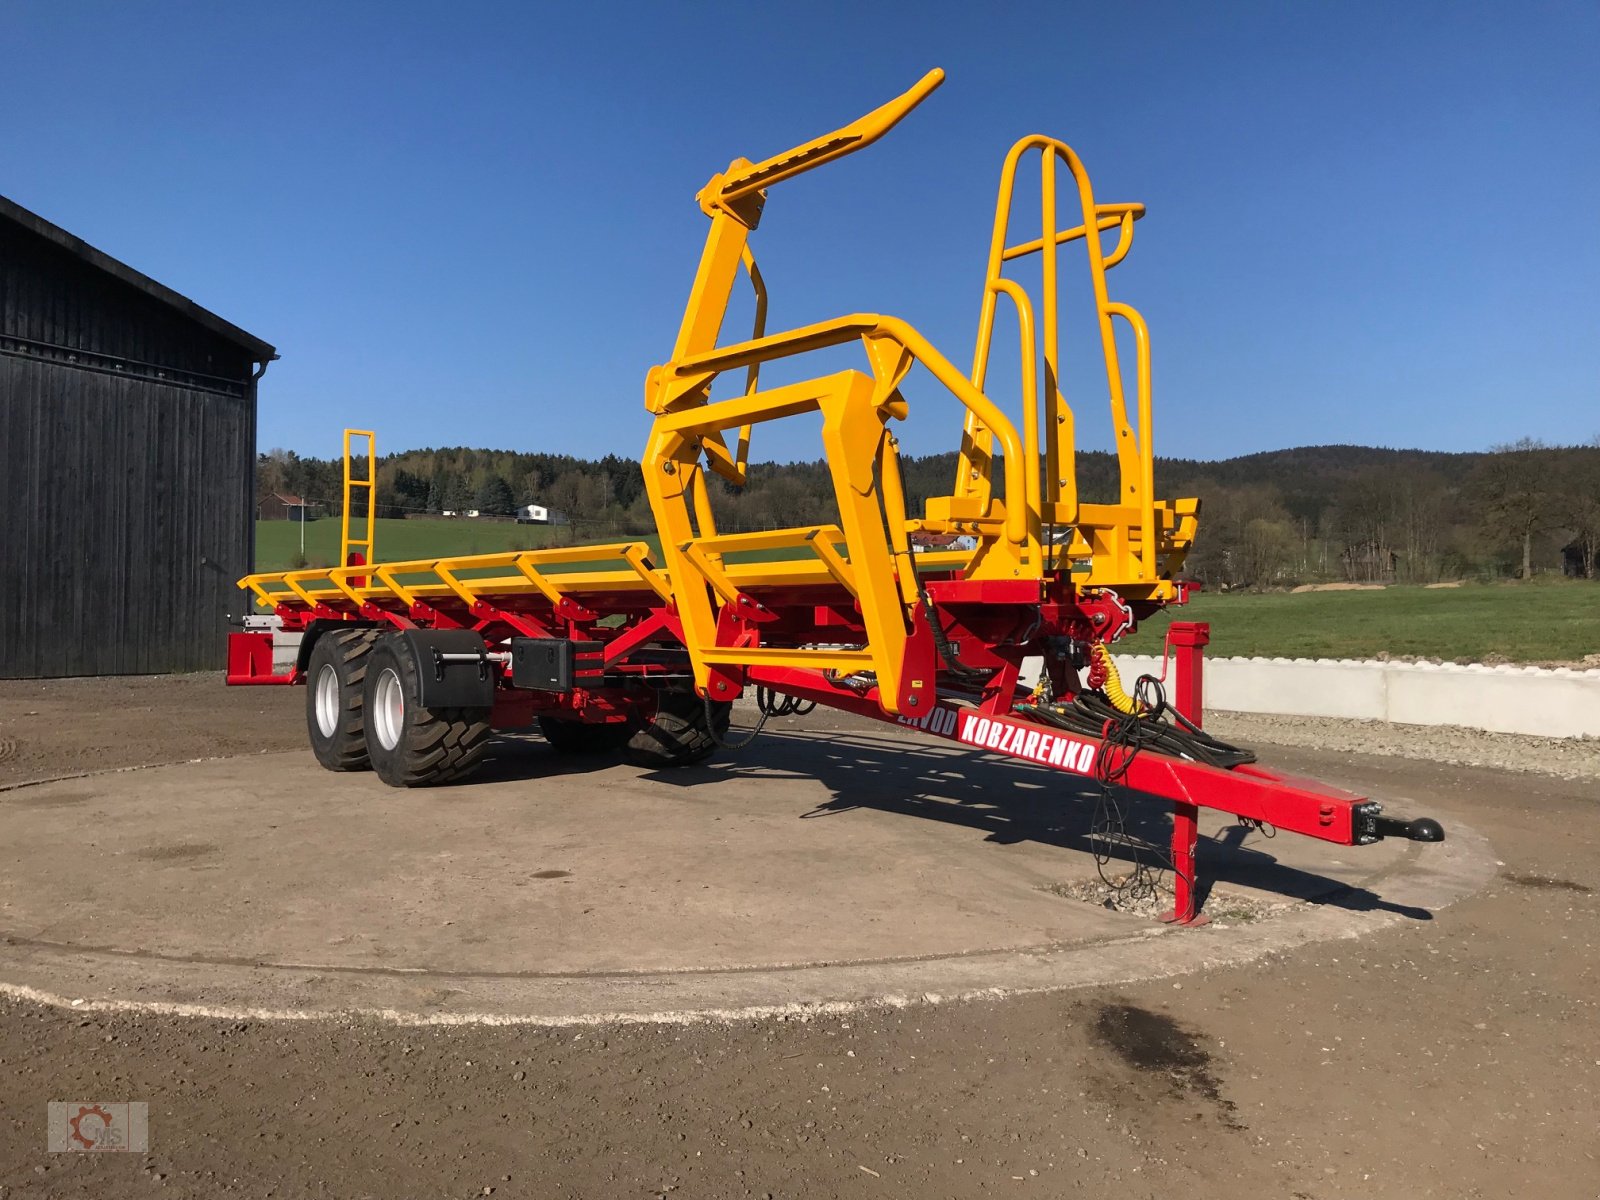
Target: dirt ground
(1447,1057)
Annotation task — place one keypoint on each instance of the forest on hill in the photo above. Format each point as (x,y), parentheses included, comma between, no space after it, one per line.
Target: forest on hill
(1274,519)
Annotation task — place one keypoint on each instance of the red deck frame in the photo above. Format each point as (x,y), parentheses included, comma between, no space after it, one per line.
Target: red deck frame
(987,627)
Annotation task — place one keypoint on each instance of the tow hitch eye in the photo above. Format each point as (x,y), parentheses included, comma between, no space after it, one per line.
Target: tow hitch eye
(1372,826)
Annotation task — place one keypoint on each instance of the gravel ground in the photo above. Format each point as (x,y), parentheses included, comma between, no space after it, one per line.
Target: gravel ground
(1450,1055)
(1565,758)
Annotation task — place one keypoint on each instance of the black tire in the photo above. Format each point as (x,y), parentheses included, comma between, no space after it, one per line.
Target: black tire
(579,737)
(335,675)
(412,746)
(679,736)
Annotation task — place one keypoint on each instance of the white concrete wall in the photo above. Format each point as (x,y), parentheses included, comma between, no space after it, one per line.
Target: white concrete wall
(285,650)
(1559,702)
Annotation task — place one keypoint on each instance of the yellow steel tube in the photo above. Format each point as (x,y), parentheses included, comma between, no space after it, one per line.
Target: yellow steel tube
(1146,452)
(447,576)
(709,566)
(822,542)
(524,564)
(750,178)
(790,342)
(265,598)
(1030,404)
(1110,216)
(979,404)
(1124,239)
(1127,456)
(972,465)
(752,377)
(705,521)
(340,576)
(837,332)
(291,579)
(637,556)
(788,401)
(1051,384)
(386,574)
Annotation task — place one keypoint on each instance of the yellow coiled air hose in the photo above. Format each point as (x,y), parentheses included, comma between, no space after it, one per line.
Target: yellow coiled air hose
(1112,687)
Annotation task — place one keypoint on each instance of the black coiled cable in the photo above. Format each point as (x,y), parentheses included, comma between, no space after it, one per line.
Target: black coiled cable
(776,704)
(769,703)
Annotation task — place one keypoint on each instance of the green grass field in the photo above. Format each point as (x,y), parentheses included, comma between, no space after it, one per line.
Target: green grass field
(278,542)
(1505,622)
(1554,621)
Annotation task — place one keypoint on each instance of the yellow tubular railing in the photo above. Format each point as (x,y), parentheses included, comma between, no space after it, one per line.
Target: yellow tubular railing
(1057,497)
(382,583)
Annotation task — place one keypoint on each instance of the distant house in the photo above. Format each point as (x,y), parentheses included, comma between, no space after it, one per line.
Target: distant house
(538,514)
(1369,562)
(922,542)
(279,506)
(459,512)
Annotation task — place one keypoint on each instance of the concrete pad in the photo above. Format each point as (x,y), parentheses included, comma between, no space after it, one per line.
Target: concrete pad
(812,870)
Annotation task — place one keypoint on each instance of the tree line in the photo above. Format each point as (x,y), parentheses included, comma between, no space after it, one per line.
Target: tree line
(1317,513)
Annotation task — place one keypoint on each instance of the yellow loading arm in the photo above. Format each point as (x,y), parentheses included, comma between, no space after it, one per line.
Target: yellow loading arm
(1135,544)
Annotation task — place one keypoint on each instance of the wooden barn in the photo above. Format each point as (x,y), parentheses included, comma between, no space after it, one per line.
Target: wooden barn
(127,463)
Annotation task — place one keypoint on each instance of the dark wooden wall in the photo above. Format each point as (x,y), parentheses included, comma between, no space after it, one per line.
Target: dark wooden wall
(127,450)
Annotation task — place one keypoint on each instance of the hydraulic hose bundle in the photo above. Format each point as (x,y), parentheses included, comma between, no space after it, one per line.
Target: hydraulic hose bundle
(1137,722)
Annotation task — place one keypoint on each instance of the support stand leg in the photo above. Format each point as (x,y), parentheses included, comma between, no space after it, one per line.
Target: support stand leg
(1187,640)
(1185,835)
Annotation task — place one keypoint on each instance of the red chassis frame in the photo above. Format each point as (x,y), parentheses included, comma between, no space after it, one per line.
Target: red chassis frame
(986,723)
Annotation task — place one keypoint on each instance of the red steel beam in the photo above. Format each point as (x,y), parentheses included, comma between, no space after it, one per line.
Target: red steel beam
(1286,801)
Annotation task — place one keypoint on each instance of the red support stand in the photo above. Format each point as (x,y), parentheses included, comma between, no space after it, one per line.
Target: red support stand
(1187,640)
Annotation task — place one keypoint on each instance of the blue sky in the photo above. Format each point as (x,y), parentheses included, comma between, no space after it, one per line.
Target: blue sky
(474,223)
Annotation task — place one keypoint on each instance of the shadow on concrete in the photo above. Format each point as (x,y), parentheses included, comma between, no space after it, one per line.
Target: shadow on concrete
(1010,802)
(523,755)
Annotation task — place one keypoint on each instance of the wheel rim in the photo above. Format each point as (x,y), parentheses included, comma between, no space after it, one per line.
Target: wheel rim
(328,700)
(389,709)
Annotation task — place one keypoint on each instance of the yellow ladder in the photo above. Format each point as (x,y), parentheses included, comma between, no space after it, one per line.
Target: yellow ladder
(368,483)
